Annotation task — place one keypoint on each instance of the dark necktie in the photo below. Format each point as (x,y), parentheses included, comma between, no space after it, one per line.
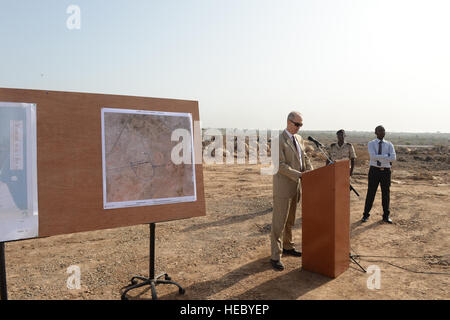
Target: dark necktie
(295,146)
(379,152)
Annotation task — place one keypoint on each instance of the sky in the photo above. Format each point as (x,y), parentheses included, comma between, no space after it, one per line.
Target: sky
(351,64)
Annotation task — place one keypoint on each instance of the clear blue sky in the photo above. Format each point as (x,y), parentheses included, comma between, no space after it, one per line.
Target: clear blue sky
(343,64)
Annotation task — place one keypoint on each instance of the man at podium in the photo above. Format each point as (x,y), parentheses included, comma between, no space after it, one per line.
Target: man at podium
(287,189)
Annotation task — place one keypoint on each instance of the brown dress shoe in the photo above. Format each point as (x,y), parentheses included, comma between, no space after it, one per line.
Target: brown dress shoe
(277,265)
(292,252)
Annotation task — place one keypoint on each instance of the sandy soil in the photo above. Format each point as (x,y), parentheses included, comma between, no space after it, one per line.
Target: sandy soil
(225,255)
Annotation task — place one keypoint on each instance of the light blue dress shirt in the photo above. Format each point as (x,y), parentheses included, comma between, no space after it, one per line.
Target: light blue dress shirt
(387,153)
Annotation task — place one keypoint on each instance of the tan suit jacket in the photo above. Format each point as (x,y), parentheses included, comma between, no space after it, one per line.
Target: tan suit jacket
(286,182)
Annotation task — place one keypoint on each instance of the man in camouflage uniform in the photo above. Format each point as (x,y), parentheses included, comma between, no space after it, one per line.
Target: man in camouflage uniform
(342,150)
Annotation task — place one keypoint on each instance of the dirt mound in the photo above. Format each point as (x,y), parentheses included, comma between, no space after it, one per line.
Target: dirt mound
(422,176)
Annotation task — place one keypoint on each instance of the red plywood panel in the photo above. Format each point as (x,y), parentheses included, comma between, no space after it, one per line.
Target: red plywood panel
(69,161)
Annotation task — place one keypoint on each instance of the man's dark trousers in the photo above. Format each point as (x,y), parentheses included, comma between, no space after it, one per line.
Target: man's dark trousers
(382,177)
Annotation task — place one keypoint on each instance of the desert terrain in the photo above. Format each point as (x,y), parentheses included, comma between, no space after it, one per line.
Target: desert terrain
(225,254)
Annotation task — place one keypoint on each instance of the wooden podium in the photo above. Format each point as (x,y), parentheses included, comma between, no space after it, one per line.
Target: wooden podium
(326,219)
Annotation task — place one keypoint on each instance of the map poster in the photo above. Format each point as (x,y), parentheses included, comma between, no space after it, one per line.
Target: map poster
(18,172)
(141,152)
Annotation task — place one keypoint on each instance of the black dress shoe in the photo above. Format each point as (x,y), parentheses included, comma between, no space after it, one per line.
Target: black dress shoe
(388,220)
(277,265)
(364,219)
(292,252)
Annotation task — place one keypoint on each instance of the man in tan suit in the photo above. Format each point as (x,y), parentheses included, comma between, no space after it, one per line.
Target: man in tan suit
(287,189)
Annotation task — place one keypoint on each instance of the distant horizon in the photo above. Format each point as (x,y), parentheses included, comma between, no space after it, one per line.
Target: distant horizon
(330,130)
(239,128)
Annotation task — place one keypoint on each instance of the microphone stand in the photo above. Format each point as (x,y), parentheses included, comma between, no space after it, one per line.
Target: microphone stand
(331,161)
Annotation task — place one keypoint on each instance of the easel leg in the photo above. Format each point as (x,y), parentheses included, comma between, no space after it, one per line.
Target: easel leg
(3,288)
(151,281)
(152,251)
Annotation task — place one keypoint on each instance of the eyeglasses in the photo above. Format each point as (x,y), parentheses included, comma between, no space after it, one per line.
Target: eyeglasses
(298,125)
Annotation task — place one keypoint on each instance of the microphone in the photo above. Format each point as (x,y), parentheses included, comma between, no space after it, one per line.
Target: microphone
(315,141)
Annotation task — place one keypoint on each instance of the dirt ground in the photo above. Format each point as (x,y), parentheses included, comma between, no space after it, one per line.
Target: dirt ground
(225,255)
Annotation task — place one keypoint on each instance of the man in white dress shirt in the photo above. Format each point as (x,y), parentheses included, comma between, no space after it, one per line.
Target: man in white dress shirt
(382,154)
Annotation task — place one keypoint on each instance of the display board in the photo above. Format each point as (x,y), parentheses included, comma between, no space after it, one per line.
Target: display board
(72,169)
(18,186)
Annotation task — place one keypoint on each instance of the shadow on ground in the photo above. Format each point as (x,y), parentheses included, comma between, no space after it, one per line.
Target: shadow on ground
(228,220)
(358,227)
(287,285)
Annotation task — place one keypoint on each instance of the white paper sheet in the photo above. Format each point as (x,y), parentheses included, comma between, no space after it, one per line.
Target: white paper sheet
(18,172)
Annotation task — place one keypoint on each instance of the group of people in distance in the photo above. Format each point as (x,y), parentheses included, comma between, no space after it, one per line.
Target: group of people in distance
(293,161)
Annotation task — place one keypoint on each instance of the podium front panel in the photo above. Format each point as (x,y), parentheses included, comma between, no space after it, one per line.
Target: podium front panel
(342,217)
(325,219)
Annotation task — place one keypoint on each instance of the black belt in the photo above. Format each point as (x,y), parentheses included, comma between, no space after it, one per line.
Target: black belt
(381,168)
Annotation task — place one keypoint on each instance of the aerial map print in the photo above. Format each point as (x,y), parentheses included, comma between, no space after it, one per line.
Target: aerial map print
(18,183)
(137,166)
